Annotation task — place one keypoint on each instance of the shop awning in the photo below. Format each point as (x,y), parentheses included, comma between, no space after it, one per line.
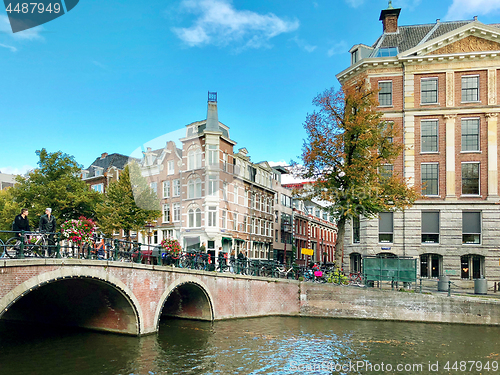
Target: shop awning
(227,239)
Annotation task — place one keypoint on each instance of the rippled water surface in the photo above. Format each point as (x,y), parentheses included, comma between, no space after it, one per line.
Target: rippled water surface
(274,345)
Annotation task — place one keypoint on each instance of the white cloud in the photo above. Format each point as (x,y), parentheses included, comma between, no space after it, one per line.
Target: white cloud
(466,9)
(303,44)
(280,163)
(13,49)
(14,170)
(30,34)
(338,48)
(219,23)
(354,3)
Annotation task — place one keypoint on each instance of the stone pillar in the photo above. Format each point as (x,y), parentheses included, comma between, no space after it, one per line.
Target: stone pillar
(450,89)
(492,86)
(450,157)
(492,119)
(409,151)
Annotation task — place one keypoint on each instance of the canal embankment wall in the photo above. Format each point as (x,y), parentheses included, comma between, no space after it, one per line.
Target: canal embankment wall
(327,300)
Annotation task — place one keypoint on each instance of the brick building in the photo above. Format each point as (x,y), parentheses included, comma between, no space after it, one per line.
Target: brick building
(211,195)
(439,86)
(313,228)
(104,170)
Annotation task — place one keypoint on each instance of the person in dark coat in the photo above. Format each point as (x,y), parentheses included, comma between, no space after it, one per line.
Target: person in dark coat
(21,222)
(48,225)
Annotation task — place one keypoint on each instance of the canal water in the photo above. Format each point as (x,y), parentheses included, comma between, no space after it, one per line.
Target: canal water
(272,345)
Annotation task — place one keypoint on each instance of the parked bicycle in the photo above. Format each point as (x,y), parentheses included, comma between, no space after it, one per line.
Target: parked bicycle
(33,244)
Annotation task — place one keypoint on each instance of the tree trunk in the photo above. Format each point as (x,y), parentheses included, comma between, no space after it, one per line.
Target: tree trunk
(339,244)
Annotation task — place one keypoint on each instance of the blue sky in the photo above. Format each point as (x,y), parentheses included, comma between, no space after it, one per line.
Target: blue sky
(111,75)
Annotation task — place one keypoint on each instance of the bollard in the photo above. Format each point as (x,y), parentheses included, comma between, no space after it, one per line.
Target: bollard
(449,288)
(495,287)
(420,285)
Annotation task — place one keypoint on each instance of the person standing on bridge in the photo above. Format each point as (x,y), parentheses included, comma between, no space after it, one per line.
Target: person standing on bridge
(48,225)
(21,222)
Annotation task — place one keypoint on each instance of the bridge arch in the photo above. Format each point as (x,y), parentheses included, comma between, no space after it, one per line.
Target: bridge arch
(199,303)
(129,319)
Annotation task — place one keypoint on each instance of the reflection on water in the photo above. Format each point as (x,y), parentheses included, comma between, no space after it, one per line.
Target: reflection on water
(274,345)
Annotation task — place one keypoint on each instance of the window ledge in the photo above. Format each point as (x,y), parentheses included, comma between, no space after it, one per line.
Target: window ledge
(472,101)
(430,104)
(471,196)
(429,152)
(432,196)
(471,152)
(385,106)
(430,243)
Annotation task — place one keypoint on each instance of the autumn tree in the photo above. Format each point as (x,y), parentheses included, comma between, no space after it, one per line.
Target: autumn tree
(55,183)
(347,148)
(128,204)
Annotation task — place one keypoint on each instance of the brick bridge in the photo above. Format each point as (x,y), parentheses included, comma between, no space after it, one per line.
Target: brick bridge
(131,298)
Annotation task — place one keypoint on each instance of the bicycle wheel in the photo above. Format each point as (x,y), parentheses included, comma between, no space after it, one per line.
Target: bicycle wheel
(39,249)
(12,247)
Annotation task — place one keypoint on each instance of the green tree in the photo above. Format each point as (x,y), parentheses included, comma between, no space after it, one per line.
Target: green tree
(55,183)
(129,203)
(348,144)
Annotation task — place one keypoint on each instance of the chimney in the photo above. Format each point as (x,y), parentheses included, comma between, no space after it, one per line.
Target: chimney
(103,155)
(212,116)
(389,18)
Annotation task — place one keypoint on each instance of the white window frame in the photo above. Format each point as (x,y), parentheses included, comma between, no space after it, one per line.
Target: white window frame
(437,90)
(429,121)
(478,92)
(422,180)
(166,189)
(380,92)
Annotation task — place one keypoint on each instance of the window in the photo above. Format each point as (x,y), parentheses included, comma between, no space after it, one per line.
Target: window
(224,214)
(166,189)
(429,135)
(194,188)
(194,218)
(170,166)
(177,212)
(471,227)
(472,266)
(385,227)
(386,171)
(470,134)
(429,90)
(194,159)
(430,179)
(177,187)
(154,186)
(245,229)
(385,93)
(98,187)
(470,88)
(212,216)
(354,57)
(356,226)
(212,154)
(224,191)
(387,52)
(470,178)
(430,227)
(166,213)
(430,265)
(97,172)
(252,200)
(388,126)
(212,184)
(235,221)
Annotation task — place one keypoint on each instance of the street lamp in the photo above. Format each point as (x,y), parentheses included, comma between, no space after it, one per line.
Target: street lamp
(149,229)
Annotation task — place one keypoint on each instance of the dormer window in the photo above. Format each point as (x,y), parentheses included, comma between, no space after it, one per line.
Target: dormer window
(354,56)
(97,172)
(387,52)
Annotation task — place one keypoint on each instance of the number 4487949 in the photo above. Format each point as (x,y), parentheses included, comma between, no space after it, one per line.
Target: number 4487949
(34,8)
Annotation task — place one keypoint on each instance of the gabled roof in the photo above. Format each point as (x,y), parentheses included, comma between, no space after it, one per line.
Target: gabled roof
(409,37)
(118,161)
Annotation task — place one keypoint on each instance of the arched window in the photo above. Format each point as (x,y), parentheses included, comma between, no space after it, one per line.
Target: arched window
(194,158)
(194,188)
(198,218)
(191,218)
